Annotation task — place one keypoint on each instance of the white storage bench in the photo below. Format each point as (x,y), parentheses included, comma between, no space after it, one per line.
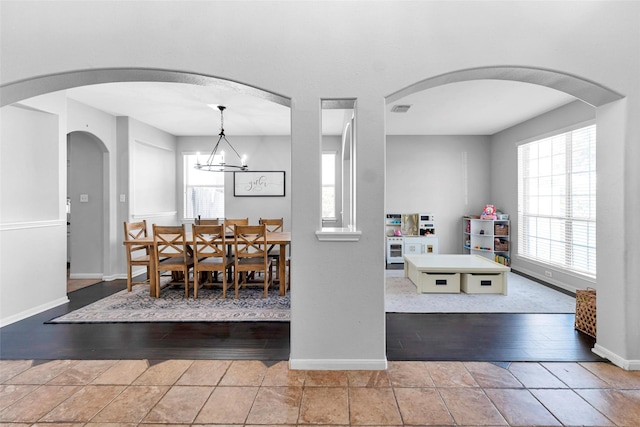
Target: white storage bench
(451,273)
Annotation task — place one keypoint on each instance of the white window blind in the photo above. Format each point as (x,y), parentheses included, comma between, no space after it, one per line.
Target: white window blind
(203,191)
(557,200)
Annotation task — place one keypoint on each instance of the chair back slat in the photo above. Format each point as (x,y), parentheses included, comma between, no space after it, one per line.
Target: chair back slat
(209,241)
(137,255)
(207,221)
(171,244)
(251,254)
(135,230)
(250,241)
(230,223)
(170,241)
(273,224)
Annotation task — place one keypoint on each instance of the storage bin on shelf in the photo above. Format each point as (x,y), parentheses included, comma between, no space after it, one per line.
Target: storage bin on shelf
(501,245)
(438,282)
(501,229)
(482,283)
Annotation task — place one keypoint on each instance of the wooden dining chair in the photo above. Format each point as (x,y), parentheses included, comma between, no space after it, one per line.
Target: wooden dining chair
(210,254)
(230,224)
(274,225)
(207,221)
(251,255)
(137,254)
(172,253)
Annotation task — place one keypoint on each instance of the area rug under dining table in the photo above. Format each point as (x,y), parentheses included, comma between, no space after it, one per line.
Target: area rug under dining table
(172,306)
(525,296)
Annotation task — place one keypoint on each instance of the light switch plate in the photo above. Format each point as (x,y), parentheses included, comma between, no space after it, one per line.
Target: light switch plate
(84,198)
(123,198)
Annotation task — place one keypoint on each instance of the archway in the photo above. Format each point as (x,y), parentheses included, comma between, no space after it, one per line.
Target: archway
(25,89)
(87,201)
(606,101)
(585,90)
(114,213)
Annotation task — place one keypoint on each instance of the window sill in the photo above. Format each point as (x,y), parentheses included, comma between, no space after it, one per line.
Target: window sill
(338,234)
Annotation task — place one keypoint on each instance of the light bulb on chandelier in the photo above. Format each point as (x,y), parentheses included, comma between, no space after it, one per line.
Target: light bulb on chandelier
(216,161)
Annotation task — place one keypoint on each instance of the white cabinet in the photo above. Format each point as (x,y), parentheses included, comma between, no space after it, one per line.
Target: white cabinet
(420,245)
(487,237)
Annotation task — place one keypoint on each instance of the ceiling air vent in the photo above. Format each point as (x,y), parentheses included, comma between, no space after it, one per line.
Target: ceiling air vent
(400,108)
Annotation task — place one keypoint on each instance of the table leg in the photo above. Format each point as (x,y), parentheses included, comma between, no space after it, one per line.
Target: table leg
(282,266)
(504,283)
(154,289)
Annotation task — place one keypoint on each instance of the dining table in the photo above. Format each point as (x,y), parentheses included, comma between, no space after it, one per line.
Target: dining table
(280,238)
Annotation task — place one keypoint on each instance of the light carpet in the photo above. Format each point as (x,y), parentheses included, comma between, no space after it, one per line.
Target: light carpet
(524,296)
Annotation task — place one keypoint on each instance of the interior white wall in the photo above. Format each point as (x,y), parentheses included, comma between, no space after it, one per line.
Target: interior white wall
(266,153)
(504,181)
(618,317)
(447,176)
(308,60)
(30,216)
(24,198)
(152,174)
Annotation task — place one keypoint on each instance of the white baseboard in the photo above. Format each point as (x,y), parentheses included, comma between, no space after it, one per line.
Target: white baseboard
(32,311)
(548,280)
(114,277)
(339,364)
(629,365)
(85,276)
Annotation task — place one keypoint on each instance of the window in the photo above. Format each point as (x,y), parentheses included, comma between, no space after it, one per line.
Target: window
(557,200)
(203,191)
(328,185)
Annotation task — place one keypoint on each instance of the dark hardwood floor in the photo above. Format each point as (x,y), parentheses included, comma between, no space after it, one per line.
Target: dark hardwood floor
(460,337)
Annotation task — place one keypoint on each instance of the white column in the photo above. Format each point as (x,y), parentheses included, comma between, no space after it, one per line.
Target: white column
(337,313)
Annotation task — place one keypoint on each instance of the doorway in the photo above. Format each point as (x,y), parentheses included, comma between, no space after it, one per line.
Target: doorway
(85,210)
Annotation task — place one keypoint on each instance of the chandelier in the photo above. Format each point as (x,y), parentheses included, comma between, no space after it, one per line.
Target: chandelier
(216,161)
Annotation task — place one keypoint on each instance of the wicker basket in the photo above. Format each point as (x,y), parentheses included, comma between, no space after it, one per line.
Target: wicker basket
(501,246)
(501,230)
(586,311)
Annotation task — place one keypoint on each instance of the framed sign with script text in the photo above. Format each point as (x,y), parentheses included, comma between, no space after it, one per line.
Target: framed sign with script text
(258,184)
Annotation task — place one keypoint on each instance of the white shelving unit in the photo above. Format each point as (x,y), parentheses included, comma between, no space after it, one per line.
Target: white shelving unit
(487,237)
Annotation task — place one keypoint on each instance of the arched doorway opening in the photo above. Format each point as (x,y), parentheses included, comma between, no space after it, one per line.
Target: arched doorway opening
(593,97)
(87,205)
(114,167)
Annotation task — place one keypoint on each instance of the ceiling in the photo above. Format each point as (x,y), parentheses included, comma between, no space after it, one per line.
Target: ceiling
(479,107)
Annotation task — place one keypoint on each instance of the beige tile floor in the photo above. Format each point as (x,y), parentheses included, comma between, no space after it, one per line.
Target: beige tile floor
(209,392)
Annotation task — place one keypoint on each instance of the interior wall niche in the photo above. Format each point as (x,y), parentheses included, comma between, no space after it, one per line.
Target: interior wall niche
(342,111)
